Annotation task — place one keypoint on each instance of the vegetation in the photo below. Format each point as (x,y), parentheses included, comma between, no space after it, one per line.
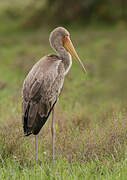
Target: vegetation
(34,13)
(91,114)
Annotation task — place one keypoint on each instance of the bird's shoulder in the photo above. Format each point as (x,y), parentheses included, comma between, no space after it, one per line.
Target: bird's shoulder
(49,66)
(42,75)
(46,65)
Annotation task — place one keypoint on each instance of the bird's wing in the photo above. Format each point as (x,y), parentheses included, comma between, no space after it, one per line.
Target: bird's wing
(41,89)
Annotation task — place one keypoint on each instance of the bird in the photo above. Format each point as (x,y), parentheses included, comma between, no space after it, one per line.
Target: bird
(43,85)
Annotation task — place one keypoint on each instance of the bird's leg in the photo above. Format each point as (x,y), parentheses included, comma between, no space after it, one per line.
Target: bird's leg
(53,135)
(35,148)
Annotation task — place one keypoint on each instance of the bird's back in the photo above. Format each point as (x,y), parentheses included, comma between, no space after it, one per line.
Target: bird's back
(41,89)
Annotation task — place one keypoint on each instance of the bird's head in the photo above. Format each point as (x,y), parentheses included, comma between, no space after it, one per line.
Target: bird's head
(60,37)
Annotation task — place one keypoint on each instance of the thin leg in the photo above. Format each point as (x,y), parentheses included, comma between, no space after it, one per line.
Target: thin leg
(36,148)
(53,135)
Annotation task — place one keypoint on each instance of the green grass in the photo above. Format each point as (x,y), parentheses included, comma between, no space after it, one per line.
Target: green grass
(63,170)
(91,123)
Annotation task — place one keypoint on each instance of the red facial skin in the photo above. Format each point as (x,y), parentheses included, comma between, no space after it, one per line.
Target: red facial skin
(65,38)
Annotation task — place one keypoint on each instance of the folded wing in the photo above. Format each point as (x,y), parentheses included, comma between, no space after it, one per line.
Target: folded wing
(40,92)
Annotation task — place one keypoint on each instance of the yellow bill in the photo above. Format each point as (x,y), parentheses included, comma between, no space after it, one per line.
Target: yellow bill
(70,48)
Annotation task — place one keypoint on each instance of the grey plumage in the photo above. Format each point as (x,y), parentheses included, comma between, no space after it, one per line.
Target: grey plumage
(41,89)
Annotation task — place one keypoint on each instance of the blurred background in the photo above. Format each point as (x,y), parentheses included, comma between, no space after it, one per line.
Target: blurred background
(35,13)
(91,106)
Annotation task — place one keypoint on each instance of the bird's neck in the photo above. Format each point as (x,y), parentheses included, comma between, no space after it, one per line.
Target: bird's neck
(66,59)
